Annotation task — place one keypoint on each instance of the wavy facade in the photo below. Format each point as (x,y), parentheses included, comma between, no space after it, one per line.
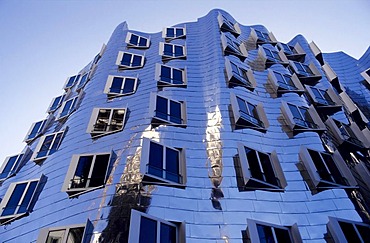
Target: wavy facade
(208,131)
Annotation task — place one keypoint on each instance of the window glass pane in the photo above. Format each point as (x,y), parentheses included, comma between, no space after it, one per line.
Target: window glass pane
(75,235)
(102,120)
(179,51)
(167,50)
(117,120)
(8,167)
(265,234)
(156,159)
(134,39)
(137,61)
(126,59)
(35,130)
(268,171)
(55,236)
(168,233)
(161,108)
(172,165)
(349,232)
(148,230)
(83,80)
(320,166)
(282,235)
(99,171)
(27,198)
(364,232)
(165,74)
(56,143)
(170,32)
(242,106)
(175,112)
(335,173)
(14,200)
(253,163)
(179,32)
(295,111)
(129,85)
(143,41)
(177,76)
(67,107)
(45,146)
(80,179)
(116,85)
(56,103)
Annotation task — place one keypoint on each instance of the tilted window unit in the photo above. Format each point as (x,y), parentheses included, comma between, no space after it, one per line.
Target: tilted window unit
(69,106)
(326,171)
(343,231)
(12,164)
(105,121)
(271,56)
(260,170)
(127,60)
(285,83)
(231,46)
(262,37)
(57,102)
(237,75)
(302,119)
(48,144)
(248,115)
(171,33)
(85,77)
(308,74)
(295,53)
(228,26)
(168,76)
(37,129)
(170,51)
(354,111)
(117,86)
(137,41)
(87,172)
(19,199)
(146,228)
(261,232)
(71,81)
(163,165)
(166,111)
(325,101)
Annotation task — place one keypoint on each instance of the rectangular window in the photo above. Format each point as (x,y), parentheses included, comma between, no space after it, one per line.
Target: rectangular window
(321,96)
(308,74)
(173,33)
(137,41)
(105,121)
(228,26)
(68,107)
(260,171)
(262,36)
(302,117)
(172,51)
(347,133)
(18,200)
(239,76)
(168,112)
(71,81)
(56,103)
(170,76)
(342,230)
(10,166)
(117,86)
(83,80)
(287,49)
(86,172)
(272,55)
(36,129)
(163,164)
(231,46)
(126,60)
(48,144)
(284,82)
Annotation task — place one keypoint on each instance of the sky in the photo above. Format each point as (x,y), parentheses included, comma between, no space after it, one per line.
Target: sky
(44,42)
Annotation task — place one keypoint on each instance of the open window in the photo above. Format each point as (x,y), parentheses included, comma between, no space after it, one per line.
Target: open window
(302,119)
(67,234)
(343,231)
(260,170)
(48,144)
(326,101)
(127,60)
(146,228)
(19,199)
(163,165)
(326,171)
(228,26)
(308,74)
(295,53)
(12,164)
(71,81)
(271,56)
(37,129)
(261,232)
(87,172)
(117,86)
(248,115)
(231,46)
(262,37)
(285,83)
(69,106)
(168,76)
(105,121)
(171,33)
(137,41)
(166,111)
(237,75)
(170,51)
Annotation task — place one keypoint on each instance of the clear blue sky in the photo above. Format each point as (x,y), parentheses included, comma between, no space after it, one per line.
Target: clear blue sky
(43,42)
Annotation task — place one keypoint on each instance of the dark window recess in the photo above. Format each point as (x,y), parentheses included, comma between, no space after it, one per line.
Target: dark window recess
(302,117)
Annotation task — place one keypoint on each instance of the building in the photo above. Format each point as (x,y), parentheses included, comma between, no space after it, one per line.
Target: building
(208,131)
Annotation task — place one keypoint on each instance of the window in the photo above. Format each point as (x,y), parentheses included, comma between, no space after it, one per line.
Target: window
(68,107)
(239,76)
(117,86)
(262,37)
(325,99)
(260,232)
(66,234)
(342,230)
(145,228)
(71,81)
(292,53)
(248,115)
(163,164)
(37,129)
(301,119)
(226,25)
(47,145)
(137,41)
(231,47)
(260,171)
(11,165)
(172,51)
(321,96)
(287,49)
(19,199)
(307,73)
(272,56)
(104,121)
(285,83)
(173,33)
(326,171)
(126,60)
(55,103)
(170,76)
(86,77)
(167,111)
(87,172)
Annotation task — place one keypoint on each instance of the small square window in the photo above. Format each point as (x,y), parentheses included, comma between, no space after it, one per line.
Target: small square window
(12,164)
(69,106)
(145,228)
(231,46)
(48,144)
(308,74)
(167,76)
(137,41)
(342,230)
(262,37)
(163,164)
(56,103)
(167,111)
(239,76)
(285,83)
(126,60)
(105,121)
(171,51)
(259,170)
(326,101)
(19,199)
(272,56)
(87,172)
(295,53)
(248,115)
(228,26)
(37,129)
(71,81)
(173,33)
(117,86)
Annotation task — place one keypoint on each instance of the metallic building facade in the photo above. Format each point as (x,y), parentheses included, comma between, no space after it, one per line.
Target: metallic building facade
(208,131)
